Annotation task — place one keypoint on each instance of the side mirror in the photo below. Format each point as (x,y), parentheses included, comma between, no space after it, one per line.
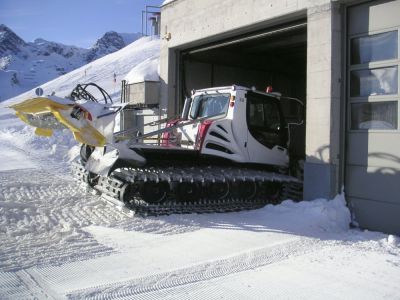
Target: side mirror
(186,108)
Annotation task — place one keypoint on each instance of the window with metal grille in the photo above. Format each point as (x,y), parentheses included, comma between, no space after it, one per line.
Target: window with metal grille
(373,80)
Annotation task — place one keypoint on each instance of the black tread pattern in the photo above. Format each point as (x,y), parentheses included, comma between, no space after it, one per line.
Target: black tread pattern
(114,186)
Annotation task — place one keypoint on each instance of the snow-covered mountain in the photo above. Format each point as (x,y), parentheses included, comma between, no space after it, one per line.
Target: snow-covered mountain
(25,65)
(135,62)
(110,42)
(9,41)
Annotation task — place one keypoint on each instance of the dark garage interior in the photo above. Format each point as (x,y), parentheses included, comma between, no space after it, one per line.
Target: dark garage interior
(275,57)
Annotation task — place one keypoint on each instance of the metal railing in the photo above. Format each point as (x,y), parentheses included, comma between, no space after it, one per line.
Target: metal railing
(150,10)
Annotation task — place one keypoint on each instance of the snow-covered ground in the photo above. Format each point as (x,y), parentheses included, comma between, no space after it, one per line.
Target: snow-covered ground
(60,241)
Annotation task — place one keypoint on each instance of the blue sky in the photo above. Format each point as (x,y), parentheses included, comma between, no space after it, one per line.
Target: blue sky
(72,22)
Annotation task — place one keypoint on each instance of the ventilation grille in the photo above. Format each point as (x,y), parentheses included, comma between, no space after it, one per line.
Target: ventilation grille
(218,148)
(222,128)
(219,136)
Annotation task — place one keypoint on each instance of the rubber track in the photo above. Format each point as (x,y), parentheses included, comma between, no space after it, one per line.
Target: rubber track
(112,187)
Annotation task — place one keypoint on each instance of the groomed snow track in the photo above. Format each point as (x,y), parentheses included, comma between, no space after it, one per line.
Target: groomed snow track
(187,189)
(164,285)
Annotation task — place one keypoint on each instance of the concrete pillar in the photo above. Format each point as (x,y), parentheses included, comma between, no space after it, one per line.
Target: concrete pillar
(321,173)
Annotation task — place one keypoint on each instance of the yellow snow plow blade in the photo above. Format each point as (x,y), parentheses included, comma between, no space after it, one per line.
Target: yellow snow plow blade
(44,132)
(36,112)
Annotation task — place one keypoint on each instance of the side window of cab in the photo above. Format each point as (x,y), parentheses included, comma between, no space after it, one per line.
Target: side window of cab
(264,119)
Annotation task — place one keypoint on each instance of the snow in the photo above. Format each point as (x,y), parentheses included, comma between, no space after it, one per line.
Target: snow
(15,160)
(83,248)
(60,240)
(393,240)
(167,2)
(148,70)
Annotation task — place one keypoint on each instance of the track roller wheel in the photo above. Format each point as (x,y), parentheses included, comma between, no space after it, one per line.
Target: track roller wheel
(273,191)
(187,192)
(154,192)
(91,179)
(243,190)
(127,193)
(218,190)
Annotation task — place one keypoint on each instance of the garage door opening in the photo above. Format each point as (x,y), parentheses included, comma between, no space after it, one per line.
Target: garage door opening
(276,57)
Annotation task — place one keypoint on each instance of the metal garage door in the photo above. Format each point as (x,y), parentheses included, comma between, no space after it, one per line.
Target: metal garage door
(373,136)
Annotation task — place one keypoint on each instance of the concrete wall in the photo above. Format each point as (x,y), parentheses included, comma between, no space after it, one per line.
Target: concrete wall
(146,92)
(191,23)
(323,139)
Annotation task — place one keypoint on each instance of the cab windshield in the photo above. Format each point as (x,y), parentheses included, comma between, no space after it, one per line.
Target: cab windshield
(209,105)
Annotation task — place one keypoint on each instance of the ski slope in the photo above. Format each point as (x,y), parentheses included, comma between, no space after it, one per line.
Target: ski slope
(61,241)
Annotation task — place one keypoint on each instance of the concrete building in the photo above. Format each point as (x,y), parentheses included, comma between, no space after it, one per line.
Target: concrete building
(341,57)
